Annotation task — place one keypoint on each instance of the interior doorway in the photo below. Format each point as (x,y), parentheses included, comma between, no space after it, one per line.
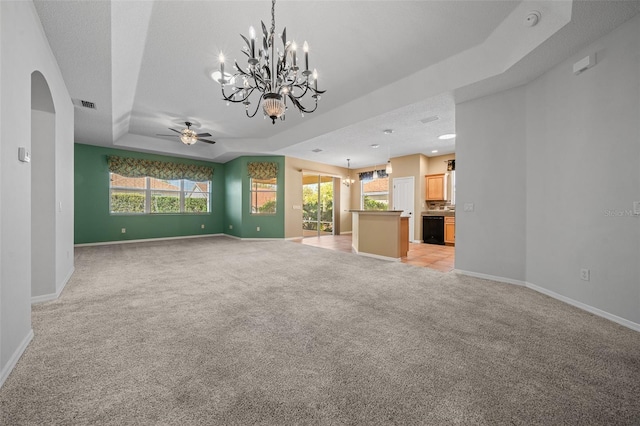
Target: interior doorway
(317,205)
(43,202)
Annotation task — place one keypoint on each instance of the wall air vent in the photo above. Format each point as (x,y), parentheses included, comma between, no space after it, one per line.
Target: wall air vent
(84,104)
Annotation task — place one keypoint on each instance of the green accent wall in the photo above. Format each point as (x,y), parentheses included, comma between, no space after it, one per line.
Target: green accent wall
(94,223)
(238,201)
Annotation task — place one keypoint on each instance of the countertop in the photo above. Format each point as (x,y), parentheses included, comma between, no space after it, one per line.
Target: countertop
(448,213)
(380,212)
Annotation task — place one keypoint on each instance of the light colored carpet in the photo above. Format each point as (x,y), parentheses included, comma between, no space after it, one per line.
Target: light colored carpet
(220,331)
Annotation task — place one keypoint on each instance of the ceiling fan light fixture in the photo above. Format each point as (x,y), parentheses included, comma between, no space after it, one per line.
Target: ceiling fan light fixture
(188,137)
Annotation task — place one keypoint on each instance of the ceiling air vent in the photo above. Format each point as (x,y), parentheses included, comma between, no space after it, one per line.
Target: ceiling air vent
(84,104)
(429,119)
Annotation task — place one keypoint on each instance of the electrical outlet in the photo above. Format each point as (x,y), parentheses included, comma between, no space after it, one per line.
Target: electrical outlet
(202,226)
(258,228)
(584,274)
(124,230)
(230,226)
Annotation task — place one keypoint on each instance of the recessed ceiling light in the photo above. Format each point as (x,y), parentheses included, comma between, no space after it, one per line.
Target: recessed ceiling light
(387,131)
(447,136)
(375,145)
(434,151)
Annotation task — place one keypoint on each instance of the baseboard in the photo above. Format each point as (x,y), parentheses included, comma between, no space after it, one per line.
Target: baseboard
(490,277)
(376,256)
(53,296)
(345,232)
(260,239)
(146,240)
(15,357)
(599,312)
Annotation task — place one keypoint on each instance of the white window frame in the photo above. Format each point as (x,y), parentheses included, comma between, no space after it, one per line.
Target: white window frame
(252,192)
(148,191)
(362,193)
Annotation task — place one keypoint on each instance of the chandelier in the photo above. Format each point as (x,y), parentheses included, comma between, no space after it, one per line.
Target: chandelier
(274,74)
(347,181)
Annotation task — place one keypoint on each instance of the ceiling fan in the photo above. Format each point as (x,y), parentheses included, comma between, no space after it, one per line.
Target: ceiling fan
(189,137)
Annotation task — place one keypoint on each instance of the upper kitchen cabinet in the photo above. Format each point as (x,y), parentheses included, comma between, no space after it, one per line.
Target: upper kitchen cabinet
(436,187)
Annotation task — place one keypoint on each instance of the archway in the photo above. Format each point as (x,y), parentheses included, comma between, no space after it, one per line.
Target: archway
(43,202)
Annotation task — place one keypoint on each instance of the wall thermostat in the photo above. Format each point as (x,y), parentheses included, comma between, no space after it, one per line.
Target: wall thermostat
(24,155)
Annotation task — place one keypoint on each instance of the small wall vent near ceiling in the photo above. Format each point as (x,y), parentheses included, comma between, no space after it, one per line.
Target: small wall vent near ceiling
(84,104)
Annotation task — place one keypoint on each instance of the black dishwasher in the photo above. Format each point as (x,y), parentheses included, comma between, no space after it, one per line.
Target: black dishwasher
(433,229)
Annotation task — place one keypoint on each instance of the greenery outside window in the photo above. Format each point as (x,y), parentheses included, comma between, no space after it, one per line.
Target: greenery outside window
(149,195)
(263,195)
(375,194)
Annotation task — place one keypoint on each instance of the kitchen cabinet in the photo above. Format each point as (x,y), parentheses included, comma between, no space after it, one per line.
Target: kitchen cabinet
(436,187)
(449,230)
(404,236)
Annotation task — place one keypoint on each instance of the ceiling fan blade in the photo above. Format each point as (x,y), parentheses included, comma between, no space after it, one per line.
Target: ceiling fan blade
(204,134)
(207,141)
(174,130)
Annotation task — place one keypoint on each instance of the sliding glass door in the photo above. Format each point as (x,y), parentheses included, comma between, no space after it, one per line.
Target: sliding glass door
(317,208)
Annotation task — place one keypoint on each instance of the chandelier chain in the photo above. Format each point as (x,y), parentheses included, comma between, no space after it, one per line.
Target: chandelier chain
(273,17)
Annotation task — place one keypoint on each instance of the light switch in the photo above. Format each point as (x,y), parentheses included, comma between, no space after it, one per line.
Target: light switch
(468,207)
(24,155)
(636,207)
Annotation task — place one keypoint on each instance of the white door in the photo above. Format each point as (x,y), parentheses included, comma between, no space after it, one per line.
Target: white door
(403,199)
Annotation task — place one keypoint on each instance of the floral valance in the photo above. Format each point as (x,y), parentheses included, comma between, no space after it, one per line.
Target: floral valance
(262,170)
(135,167)
(451,165)
(367,176)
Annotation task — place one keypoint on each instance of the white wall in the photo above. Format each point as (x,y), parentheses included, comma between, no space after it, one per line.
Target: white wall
(583,157)
(490,173)
(24,49)
(570,145)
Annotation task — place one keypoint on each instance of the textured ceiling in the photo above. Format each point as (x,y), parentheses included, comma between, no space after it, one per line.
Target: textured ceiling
(385,64)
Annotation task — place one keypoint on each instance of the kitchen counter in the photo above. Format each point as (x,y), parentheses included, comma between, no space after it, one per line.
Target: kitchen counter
(383,234)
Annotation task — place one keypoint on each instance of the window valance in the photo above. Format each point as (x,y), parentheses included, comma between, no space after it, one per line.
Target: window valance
(367,176)
(135,167)
(262,170)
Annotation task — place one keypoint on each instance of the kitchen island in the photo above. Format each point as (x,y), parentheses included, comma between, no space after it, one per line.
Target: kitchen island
(383,234)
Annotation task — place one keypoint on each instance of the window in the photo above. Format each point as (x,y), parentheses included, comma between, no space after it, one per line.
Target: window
(263,195)
(375,194)
(148,195)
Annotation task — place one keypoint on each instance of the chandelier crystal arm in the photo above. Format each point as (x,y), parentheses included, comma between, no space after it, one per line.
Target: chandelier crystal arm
(246,109)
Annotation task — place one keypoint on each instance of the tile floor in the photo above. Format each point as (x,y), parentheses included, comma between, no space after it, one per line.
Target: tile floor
(431,256)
